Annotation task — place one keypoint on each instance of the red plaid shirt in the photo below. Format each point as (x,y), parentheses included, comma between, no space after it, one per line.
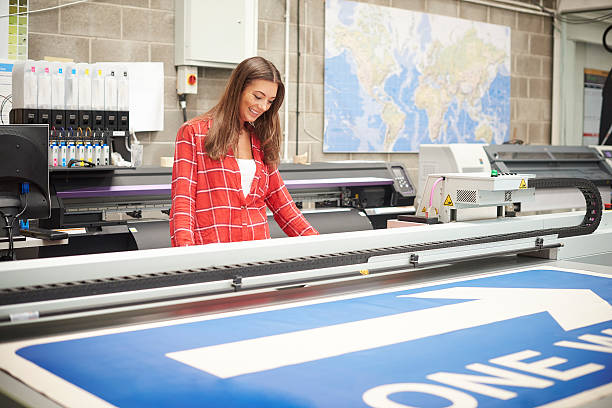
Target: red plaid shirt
(207,200)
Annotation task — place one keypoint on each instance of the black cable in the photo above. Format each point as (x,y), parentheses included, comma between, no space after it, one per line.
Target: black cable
(6,99)
(603,40)
(297,85)
(9,233)
(9,225)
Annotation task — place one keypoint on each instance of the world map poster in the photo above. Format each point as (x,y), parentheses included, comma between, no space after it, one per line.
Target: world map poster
(395,79)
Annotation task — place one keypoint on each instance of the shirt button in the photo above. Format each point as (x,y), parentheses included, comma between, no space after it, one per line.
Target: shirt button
(243,207)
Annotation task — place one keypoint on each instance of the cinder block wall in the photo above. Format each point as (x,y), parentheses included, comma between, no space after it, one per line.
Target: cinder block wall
(143,30)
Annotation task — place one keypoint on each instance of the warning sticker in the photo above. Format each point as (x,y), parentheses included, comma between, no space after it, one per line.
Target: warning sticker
(424,209)
(448,201)
(523,184)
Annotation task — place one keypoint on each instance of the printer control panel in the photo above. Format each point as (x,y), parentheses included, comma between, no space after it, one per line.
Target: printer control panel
(401,181)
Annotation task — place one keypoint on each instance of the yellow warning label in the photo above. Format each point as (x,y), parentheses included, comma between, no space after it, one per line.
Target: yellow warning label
(364,271)
(448,201)
(523,184)
(424,209)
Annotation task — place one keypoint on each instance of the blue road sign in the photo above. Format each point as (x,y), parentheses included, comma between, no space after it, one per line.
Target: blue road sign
(523,338)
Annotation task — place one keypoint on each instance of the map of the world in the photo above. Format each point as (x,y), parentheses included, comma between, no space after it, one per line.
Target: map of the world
(395,79)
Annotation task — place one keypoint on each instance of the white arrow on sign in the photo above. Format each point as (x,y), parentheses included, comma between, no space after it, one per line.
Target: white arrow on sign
(571,308)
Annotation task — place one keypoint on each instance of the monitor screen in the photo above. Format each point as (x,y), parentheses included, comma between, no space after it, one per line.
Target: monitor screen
(24,153)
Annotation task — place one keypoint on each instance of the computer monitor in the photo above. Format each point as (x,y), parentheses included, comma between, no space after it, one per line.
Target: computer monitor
(24,174)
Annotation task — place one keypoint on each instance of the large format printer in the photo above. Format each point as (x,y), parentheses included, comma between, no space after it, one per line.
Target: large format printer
(543,161)
(126,209)
(420,314)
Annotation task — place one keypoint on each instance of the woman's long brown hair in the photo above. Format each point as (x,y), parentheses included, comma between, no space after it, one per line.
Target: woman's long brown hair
(226,125)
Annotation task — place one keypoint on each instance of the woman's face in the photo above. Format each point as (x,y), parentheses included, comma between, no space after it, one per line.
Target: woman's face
(256,98)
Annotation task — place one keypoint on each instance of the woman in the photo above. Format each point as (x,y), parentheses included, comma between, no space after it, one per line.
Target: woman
(225,165)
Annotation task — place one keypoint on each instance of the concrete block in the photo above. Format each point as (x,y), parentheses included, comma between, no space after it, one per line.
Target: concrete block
(540,88)
(316,41)
(276,57)
(173,120)
(115,2)
(272,10)
(46,22)
(502,17)
(547,26)
(413,5)
(261,35)
(535,133)
(314,65)
(474,12)
(443,7)
(292,64)
(292,99)
(546,110)
(129,3)
(115,50)
(162,4)
(547,67)
(148,25)
(519,42)
(319,156)
(312,125)
(519,87)
(211,88)
(43,45)
(275,36)
(136,3)
(529,109)
(170,96)
(217,73)
(518,131)
(541,45)
(316,99)
(528,65)
(153,152)
(294,11)
(204,105)
(91,20)
(314,11)
(164,53)
(530,22)
(293,38)
(539,133)
(191,100)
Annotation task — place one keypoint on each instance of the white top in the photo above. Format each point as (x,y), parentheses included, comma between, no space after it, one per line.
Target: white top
(247,173)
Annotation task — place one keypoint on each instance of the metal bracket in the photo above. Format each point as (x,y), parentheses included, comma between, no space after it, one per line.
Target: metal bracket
(237,283)
(539,242)
(414,260)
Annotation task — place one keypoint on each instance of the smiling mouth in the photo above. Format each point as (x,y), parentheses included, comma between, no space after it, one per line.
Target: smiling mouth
(254,112)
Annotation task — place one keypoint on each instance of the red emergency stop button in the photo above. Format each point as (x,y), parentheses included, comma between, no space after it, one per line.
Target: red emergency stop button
(191,79)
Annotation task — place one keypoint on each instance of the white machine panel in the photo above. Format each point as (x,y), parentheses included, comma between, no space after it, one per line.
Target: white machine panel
(451,158)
